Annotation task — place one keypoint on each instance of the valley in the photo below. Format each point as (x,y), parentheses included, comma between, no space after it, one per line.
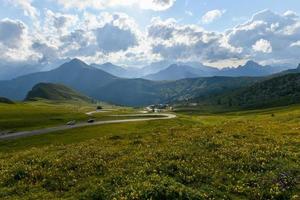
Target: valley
(149,100)
(197,138)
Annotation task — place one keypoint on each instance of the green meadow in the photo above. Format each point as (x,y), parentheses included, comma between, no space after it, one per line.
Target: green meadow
(42,114)
(198,155)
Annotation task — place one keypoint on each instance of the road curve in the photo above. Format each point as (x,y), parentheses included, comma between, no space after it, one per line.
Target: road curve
(150,117)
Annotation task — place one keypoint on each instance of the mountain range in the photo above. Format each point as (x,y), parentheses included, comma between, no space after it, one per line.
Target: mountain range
(103,86)
(181,71)
(166,71)
(132,72)
(163,70)
(116,70)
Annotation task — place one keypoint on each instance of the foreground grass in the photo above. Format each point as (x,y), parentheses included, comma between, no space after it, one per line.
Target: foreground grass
(239,155)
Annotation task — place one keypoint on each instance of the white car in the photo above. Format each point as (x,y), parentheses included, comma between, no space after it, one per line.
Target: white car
(71,123)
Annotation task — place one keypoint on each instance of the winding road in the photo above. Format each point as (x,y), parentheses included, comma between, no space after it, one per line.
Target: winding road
(149,117)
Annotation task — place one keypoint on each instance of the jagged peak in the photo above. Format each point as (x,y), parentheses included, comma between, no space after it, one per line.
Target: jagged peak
(108,63)
(77,61)
(251,63)
(74,64)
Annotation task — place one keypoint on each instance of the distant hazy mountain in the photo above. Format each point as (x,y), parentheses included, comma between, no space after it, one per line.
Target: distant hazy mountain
(154,67)
(75,74)
(277,91)
(117,70)
(251,68)
(176,72)
(10,71)
(191,70)
(56,92)
(132,72)
(289,71)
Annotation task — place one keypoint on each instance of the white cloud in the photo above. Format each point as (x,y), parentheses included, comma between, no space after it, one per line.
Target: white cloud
(105,35)
(12,32)
(290,13)
(58,22)
(111,38)
(117,38)
(26,6)
(280,30)
(81,4)
(183,42)
(212,15)
(156,5)
(15,41)
(263,46)
(295,44)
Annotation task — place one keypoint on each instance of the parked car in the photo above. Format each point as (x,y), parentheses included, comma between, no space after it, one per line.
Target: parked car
(91,121)
(71,123)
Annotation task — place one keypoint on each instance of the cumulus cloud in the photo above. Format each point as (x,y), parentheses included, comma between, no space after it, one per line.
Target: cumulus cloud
(15,42)
(156,5)
(263,46)
(267,36)
(59,22)
(26,6)
(183,42)
(105,35)
(112,38)
(78,43)
(115,32)
(212,15)
(47,53)
(12,32)
(274,34)
(295,44)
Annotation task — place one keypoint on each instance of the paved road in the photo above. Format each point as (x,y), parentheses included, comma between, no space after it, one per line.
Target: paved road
(99,111)
(150,117)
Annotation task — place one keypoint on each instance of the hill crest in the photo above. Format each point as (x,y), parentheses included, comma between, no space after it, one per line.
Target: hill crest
(55,92)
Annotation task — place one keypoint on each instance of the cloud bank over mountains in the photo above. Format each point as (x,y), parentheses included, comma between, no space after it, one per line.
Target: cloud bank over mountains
(267,36)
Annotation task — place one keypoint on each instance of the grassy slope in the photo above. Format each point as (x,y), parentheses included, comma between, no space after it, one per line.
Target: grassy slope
(277,91)
(55,92)
(41,114)
(238,155)
(6,100)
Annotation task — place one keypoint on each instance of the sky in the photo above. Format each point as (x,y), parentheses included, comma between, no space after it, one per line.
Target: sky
(219,33)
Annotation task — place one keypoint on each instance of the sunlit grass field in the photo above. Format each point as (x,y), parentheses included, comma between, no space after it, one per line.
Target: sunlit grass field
(34,115)
(42,114)
(232,155)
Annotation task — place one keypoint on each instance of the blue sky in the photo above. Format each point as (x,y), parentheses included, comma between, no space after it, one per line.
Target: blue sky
(215,32)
